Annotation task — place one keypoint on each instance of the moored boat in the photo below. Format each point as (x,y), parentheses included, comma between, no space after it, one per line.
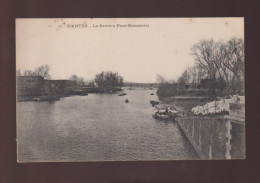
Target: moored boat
(154,103)
(122,94)
(36,99)
(165,114)
(83,94)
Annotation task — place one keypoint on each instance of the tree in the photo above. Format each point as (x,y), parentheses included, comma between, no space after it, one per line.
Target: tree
(181,85)
(73,78)
(79,80)
(221,63)
(219,69)
(186,76)
(204,55)
(39,71)
(235,57)
(160,79)
(109,81)
(29,73)
(90,83)
(43,71)
(166,88)
(185,80)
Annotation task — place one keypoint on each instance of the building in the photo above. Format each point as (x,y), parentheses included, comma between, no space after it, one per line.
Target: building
(63,87)
(32,86)
(29,87)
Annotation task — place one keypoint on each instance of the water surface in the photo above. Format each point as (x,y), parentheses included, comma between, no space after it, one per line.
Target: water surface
(98,127)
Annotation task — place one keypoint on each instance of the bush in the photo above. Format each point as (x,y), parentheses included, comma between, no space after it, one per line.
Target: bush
(167,89)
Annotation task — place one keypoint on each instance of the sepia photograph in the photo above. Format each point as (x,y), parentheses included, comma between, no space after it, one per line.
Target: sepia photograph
(130,89)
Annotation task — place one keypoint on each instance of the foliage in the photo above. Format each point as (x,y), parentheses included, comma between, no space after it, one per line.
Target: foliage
(39,71)
(165,88)
(219,67)
(218,70)
(43,71)
(79,80)
(108,81)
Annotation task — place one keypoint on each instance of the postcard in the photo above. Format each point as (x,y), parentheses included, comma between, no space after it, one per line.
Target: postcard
(130,89)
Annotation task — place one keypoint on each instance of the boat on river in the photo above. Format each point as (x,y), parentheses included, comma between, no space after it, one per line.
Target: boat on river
(36,99)
(154,103)
(165,114)
(83,94)
(122,94)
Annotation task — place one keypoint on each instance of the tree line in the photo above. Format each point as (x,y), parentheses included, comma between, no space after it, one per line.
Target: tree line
(104,81)
(42,71)
(219,68)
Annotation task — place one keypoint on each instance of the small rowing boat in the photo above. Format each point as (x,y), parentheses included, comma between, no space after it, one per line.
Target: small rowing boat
(165,114)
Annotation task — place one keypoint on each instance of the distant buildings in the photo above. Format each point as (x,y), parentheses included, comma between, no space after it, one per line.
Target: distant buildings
(63,87)
(29,87)
(32,86)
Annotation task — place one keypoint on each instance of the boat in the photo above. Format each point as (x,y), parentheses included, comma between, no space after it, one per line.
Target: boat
(83,94)
(36,99)
(152,94)
(126,100)
(154,103)
(122,94)
(165,114)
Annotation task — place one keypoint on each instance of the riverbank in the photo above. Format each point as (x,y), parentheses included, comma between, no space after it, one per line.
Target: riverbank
(39,98)
(183,104)
(53,97)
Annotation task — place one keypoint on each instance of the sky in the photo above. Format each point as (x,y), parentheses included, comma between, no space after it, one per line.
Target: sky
(161,46)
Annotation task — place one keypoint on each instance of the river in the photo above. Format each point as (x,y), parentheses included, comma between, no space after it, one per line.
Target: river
(98,127)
